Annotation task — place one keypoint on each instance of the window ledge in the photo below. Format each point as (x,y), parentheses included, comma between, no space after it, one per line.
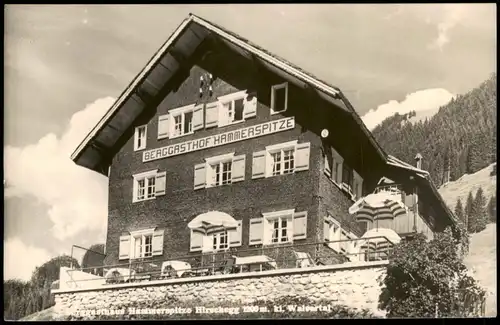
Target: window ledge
(273,112)
(179,136)
(148,199)
(139,149)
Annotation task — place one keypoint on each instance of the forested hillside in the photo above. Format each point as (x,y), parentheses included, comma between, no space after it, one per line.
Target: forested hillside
(460,138)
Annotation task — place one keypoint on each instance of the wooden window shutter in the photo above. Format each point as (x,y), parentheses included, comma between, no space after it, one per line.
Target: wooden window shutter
(198,117)
(340,166)
(300,225)
(259,164)
(358,185)
(158,242)
(124,248)
(235,237)
(163,126)
(250,109)
(196,242)
(328,168)
(200,179)
(256,231)
(238,169)
(302,156)
(160,183)
(326,229)
(212,114)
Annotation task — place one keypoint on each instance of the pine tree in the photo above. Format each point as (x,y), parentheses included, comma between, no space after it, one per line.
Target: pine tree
(459,210)
(479,213)
(469,219)
(492,208)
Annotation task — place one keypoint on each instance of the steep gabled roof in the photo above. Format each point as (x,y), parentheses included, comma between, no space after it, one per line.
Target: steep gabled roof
(93,152)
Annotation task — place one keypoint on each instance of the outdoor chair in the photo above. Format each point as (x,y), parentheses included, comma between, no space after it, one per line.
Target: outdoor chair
(227,267)
(303,259)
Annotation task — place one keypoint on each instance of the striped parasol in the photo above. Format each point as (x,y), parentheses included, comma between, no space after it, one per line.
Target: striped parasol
(378,206)
(212,222)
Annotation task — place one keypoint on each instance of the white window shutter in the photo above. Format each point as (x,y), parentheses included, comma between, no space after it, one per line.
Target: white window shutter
(259,164)
(235,237)
(238,169)
(198,117)
(163,126)
(250,109)
(212,114)
(302,156)
(328,168)
(200,178)
(359,181)
(124,249)
(340,161)
(256,231)
(196,242)
(223,118)
(158,242)
(300,225)
(326,230)
(160,183)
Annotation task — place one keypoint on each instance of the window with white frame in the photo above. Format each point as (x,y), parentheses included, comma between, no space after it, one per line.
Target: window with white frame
(337,236)
(280,231)
(281,159)
(140,137)
(279,98)
(148,185)
(347,179)
(278,227)
(220,241)
(143,245)
(182,121)
(219,170)
(232,108)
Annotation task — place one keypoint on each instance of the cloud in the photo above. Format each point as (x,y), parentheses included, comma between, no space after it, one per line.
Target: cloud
(452,16)
(77,197)
(421,100)
(20,260)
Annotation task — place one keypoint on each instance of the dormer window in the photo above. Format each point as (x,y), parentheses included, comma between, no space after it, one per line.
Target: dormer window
(279,98)
(140,137)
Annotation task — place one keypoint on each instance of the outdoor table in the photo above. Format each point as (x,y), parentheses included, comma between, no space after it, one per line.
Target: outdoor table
(255,261)
(178,267)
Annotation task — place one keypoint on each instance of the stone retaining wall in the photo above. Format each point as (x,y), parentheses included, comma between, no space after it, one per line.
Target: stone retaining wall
(354,286)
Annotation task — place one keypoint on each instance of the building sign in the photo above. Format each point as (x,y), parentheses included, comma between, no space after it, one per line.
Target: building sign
(216,140)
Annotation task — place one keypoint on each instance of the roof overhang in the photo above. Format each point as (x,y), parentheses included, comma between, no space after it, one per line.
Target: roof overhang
(95,151)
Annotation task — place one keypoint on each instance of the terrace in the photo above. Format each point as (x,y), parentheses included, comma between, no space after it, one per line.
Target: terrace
(248,262)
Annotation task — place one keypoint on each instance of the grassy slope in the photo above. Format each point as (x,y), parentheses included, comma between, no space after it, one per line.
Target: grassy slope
(482,252)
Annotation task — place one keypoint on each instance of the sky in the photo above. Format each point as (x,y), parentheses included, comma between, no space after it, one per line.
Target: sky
(65,66)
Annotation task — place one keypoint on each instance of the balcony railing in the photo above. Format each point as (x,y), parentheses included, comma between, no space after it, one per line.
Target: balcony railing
(284,256)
